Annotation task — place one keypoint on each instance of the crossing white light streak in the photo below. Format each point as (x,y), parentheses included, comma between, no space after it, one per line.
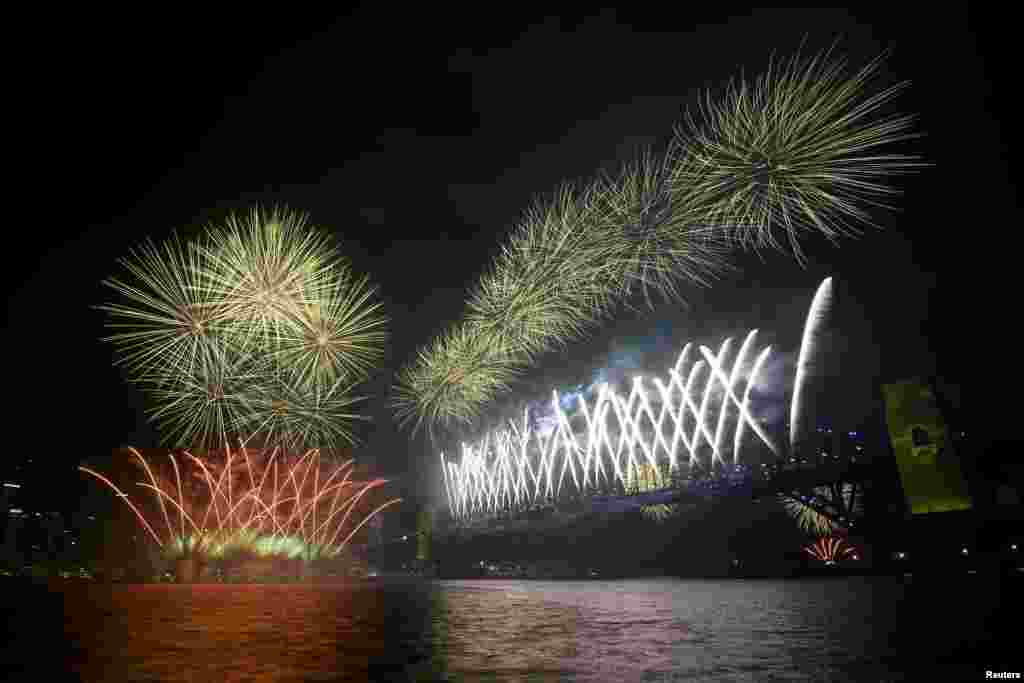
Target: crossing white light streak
(612,438)
(518,466)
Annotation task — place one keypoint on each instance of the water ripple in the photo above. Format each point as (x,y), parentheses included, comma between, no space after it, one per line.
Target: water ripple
(622,631)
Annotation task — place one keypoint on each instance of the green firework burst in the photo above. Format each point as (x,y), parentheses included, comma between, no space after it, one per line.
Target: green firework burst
(803,148)
(654,241)
(807,518)
(259,326)
(800,149)
(286,412)
(266,269)
(450,381)
(200,407)
(168,322)
(550,281)
(339,336)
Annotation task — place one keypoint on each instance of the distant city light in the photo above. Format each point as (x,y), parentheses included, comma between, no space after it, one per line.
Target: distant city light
(16,511)
(963,551)
(1013,546)
(11,486)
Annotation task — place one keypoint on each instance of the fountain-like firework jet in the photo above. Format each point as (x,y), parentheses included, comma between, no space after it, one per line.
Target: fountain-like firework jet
(830,550)
(820,307)
(304,514)
(522,465)
(713,365)
(746,401)
(699,426)
(124,496)
(734,376)
(717,370)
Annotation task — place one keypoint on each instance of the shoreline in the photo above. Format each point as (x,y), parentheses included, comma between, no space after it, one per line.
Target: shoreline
(822,573)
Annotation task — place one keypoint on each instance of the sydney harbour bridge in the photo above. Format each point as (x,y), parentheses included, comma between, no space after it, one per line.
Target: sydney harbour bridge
(660,455)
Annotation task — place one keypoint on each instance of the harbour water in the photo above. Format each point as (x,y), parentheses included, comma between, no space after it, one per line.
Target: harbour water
(830,629)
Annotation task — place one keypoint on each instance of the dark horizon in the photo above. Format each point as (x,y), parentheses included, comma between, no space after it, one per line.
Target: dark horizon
(422,151)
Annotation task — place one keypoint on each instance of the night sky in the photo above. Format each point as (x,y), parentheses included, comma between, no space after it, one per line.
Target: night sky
(419,139)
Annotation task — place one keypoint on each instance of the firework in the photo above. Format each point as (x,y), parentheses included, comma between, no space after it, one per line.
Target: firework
(653,241)
(285,412)
(259,325)
(544,288)
(830,550)
(825,509)
(450,381)
(336,337)
(549,282)
(820,306)
(266,269)
(802,148)
(644,477)
(548,286)
(250,501)
(807,517)
(636,440)
(201,406)
(629,441)
(659,513)
(169,322)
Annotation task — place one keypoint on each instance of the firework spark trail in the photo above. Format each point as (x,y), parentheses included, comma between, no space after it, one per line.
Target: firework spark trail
(339,336)
(124,496)
(806,148)
(612,429)
(746,398)
(265,268)
(807,518)
(820,307)
(708,388)
(653,241)
(824,509)
(260,324)
(830,550)
(252,518)
(482,482)
(716,368)
(734,376)
(169,318)
(796,150)
(679,416)
(698,413)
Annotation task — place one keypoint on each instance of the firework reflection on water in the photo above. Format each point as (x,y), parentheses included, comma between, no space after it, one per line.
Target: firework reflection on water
(856,629)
